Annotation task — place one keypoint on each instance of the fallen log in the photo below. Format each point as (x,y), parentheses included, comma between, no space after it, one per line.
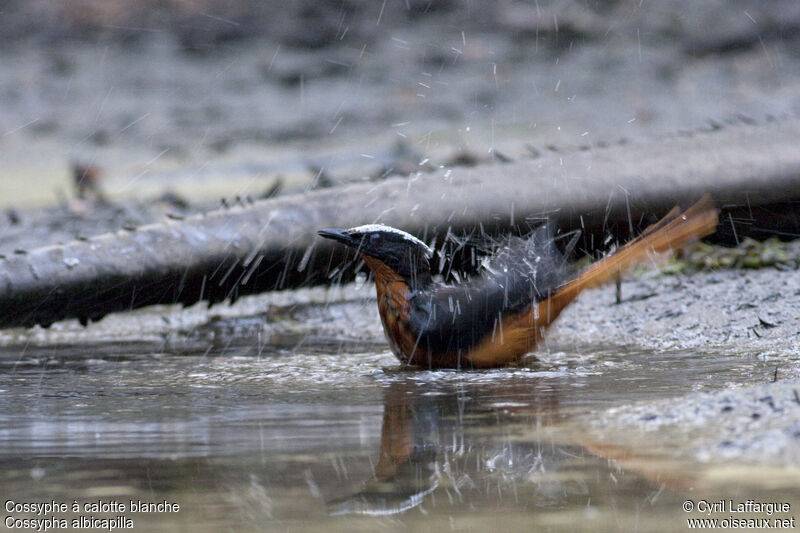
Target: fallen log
(750,171)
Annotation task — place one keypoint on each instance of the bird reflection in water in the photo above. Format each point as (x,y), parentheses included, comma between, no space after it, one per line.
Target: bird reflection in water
(445,438)
(508,444)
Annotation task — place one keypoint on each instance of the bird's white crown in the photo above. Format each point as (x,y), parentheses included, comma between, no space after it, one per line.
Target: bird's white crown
(368,228)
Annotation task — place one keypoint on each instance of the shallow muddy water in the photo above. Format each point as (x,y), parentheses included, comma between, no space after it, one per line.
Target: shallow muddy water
(340,437)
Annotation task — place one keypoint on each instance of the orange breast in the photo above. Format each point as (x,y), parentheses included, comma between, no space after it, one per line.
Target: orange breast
(394,309)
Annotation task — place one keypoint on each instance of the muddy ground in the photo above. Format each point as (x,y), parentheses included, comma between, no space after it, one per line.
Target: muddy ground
(216,99)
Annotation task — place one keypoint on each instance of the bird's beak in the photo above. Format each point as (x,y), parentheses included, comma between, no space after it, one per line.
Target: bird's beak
(338,235)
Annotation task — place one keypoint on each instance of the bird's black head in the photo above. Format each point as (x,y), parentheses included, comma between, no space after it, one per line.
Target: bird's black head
(403,253)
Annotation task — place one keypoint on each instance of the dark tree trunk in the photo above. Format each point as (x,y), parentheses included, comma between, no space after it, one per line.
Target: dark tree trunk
(753,172)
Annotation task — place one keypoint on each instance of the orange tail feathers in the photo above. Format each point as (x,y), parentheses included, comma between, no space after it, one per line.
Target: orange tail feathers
(676,229)
(520,334)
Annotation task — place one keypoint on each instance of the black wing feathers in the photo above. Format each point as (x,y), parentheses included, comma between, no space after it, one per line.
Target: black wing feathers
(455,318)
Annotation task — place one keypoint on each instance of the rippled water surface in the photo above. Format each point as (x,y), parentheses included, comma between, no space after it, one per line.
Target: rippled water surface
(340,437)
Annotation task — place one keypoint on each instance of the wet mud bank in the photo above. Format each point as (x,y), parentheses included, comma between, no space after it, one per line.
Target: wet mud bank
(739,319)
(230,95)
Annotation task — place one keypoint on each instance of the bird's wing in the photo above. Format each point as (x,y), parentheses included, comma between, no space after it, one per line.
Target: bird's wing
(522,332)
(453,319)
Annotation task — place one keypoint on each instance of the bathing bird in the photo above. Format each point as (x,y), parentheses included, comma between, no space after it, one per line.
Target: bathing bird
(496,318)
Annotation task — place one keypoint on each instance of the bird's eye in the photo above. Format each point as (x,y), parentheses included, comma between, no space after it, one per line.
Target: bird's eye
(375,238)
